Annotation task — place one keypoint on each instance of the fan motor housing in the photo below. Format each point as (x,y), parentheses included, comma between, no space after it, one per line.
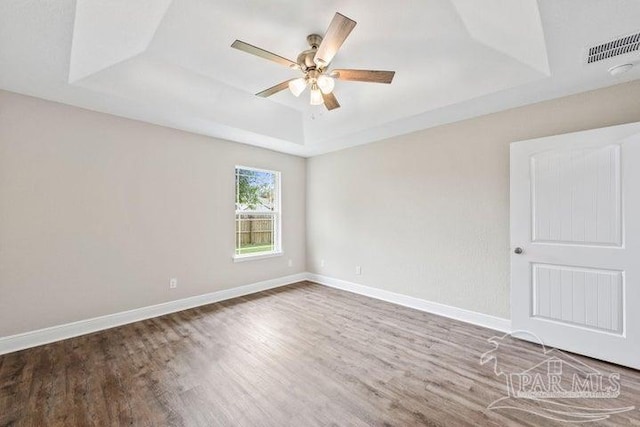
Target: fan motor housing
(305,59)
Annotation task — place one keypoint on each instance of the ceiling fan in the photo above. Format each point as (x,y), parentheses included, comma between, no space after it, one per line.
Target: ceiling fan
(314,63)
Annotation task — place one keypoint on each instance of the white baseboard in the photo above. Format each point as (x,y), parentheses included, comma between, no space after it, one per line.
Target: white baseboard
(485,320)
(60,332)
(69,330)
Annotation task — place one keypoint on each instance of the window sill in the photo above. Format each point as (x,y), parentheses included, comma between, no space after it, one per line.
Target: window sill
(251,257)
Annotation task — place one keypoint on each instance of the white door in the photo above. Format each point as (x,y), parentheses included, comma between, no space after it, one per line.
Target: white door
(575,242)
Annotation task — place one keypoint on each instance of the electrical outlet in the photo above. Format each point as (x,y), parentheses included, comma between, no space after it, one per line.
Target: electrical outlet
(358,270)
(290,262)
(321,263)
(173,283)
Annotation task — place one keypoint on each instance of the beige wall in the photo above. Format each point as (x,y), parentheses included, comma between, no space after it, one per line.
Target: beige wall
(98,212)
(427,214)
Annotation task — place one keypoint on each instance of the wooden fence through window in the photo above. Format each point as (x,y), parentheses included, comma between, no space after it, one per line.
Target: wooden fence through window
(254,229)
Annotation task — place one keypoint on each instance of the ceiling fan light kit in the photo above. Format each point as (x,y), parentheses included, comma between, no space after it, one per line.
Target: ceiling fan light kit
(316,95)
(314,64)
(326,83)
(297,86)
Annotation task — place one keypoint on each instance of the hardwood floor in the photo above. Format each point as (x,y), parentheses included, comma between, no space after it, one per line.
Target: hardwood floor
(301,355)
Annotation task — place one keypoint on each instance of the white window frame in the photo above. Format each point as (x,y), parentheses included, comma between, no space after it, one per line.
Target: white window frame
(277,213)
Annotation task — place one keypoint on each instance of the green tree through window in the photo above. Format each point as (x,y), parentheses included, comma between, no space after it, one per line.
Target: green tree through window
(248,189)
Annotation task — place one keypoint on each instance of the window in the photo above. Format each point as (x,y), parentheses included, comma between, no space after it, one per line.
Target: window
(257,212)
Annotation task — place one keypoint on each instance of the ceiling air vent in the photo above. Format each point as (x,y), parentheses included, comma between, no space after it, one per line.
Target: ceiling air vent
(614,48)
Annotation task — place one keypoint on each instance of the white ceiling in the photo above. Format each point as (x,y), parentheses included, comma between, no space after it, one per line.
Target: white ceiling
(170,62)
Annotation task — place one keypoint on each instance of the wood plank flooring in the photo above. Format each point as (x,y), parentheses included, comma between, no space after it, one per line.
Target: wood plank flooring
(301,355)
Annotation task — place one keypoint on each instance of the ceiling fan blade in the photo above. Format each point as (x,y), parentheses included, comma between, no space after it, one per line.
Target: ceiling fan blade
(274,89)
(249,48)
(330,101)
(372,76)
(338,30)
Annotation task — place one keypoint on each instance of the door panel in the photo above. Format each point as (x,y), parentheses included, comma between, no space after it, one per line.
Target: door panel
(575,212)
(576,196)
(581,296)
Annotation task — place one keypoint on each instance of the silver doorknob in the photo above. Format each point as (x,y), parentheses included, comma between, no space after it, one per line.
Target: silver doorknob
(518,250)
